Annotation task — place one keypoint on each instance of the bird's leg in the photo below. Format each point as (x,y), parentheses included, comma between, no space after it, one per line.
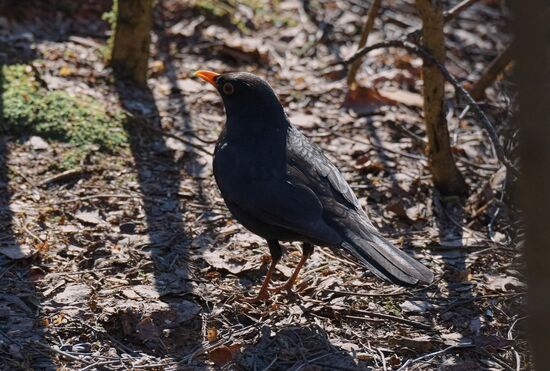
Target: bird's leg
(307,250)
(276,254)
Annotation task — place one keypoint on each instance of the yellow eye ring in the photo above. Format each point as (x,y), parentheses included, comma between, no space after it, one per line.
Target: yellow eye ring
(228,88)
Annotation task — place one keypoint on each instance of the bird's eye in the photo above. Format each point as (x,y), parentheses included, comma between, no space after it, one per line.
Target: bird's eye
(228,88)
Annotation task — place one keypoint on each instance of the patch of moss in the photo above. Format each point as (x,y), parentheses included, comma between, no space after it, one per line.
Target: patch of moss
(28,108)
(391,307)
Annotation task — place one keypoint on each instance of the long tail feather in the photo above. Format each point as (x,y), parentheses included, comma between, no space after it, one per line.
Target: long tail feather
(382,258)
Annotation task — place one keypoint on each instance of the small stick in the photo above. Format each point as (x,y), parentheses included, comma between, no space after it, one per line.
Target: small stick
(64,354)
(406,321)
(491,72)
(63,176)
(383,359)
(99,363)
(415,49)
(371,16)
(398,293)
(456,10)
(411,361)
(92,197)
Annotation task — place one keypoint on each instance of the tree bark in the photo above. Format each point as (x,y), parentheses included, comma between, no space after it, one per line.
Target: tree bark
(131,38)
(532,72)
(446,177)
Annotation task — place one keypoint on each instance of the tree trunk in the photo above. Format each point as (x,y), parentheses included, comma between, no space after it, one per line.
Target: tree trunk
(131,38)
(446,177)
(532,71)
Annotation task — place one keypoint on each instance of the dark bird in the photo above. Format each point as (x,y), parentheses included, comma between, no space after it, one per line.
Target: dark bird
(280,186)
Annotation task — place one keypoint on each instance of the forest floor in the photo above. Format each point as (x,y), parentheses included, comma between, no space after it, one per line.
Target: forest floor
(117,252)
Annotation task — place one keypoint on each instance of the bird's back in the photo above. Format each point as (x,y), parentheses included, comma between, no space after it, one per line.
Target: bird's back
(307,165)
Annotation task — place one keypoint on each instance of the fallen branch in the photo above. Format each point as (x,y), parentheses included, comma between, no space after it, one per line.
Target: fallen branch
(415,49)
(64,176)
(371,16)
(410,322)
(457,9)
(409,362)
(491,72)
(62,353)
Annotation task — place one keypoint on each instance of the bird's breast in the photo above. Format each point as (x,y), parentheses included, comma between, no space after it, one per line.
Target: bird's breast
(239,169)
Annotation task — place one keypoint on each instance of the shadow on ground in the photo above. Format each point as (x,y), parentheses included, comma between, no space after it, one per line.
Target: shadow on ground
(295,348)
(460,311)
(21,323)
(159,175)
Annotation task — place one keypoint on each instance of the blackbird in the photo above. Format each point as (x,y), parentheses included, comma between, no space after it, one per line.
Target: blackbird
(280,186)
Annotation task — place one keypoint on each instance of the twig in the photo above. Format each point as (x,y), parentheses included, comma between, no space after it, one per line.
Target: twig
(398,293)
(411,361)
(510,334)
(58,351)
(518,360)
(60,274)
(479,297)
(270,364)
(427,57)
(92,197)
(96,364)
(383,148)
(376,320)
(159,366)
(406,321)
(511,337)
(85,41)
(63,176)
(371,16)
(457,9)
(498,360)
(313,360)
(383,359)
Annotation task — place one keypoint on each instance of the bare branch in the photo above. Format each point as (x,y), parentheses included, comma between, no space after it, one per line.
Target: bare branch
(447,16)
(491,73)
(371,16)
(415,49)
(457,9)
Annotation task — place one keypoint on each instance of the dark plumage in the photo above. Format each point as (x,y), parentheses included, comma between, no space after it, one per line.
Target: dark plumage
(280,186)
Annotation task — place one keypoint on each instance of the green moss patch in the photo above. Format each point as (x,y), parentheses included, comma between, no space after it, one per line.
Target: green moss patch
(28,108)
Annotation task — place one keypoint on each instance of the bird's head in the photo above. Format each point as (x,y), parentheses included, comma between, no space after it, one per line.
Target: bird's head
(250,103)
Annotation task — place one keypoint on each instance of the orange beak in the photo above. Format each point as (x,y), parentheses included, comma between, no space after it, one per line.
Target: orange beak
(208,76)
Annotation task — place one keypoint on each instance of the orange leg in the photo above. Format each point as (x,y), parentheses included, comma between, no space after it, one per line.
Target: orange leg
(307,250)
(276,254)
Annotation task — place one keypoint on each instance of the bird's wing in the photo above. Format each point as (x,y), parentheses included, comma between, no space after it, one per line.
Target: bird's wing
(308,165)
(292,207)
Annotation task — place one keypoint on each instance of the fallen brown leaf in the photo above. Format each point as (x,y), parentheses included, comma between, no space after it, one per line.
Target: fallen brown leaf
(365,100)
(220,355)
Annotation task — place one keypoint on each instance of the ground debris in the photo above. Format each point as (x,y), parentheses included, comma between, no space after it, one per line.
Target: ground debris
(128,258)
